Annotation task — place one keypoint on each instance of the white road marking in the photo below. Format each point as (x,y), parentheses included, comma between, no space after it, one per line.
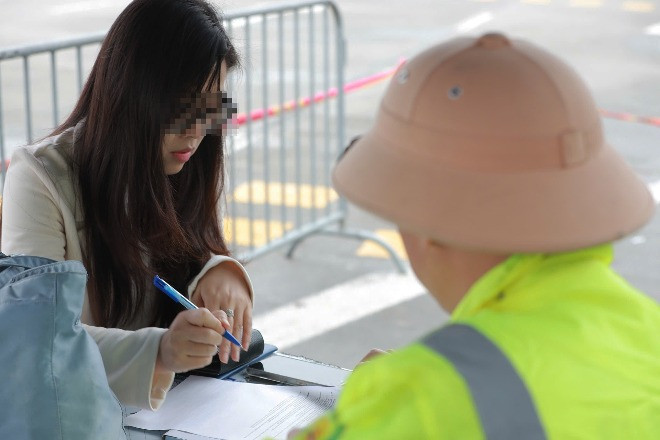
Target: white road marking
(654,29)
(474,22)
(84,6)
(655,190)
(638,239)
(256,19)
(339,305)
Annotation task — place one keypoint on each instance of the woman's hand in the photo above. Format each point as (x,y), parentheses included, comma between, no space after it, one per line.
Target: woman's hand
(224,288)
(192,340)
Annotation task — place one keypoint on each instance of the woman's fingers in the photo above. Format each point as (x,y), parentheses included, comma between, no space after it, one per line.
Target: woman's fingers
(236,321)
(196,350)
(204,318)
(222,317)
(205,336)
(239,329)
(223,351)
(224,288)
(247,327)
(224,348)
(191,341)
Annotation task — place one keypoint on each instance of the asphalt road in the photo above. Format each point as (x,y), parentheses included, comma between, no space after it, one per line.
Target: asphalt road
(328,302)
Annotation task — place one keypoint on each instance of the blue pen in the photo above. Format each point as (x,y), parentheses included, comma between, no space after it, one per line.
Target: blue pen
(185,302)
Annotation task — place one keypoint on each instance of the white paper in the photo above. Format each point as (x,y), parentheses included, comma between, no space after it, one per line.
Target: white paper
(236,410)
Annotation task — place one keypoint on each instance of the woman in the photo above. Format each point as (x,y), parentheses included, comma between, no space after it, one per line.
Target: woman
(130,184)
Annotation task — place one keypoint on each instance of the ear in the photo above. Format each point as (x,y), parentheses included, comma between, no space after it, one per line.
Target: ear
(423,253)
(414,245)
(434,245)
(428,260)
(434,250)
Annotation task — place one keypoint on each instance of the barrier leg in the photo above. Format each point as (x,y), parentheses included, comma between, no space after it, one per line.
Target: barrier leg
(359,235)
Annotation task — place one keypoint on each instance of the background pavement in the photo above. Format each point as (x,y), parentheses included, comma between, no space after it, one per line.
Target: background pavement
(332,304)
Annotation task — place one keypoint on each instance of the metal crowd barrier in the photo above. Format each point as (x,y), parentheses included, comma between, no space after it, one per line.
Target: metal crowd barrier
(290,94)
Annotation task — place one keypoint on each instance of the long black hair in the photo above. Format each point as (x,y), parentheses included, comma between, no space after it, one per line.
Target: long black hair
(138,220)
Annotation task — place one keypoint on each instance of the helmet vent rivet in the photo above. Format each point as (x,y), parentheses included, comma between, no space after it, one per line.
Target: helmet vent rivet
(455,92)
(403,75)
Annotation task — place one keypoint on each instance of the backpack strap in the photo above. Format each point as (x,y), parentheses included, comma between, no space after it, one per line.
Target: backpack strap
(504,405)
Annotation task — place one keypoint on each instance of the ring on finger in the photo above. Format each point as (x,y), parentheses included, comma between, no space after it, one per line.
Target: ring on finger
(230,313)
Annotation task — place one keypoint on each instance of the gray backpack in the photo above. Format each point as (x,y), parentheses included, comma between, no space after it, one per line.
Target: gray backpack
(53,380)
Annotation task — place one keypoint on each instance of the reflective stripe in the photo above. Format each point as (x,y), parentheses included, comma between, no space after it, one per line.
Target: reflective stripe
(503,403)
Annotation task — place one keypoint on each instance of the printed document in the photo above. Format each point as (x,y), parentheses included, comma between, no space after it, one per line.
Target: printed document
(236,410)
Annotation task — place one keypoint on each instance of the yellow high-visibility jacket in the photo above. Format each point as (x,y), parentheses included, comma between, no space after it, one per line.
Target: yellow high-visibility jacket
(582,344)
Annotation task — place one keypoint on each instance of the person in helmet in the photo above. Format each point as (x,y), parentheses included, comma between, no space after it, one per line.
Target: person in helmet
(488,153)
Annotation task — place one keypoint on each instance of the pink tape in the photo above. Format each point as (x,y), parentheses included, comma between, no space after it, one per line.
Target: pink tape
(256,115)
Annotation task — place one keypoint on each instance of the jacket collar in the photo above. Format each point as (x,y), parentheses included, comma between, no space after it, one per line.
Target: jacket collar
(516,270)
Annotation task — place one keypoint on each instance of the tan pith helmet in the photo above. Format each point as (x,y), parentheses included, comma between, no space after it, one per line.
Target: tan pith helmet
(496,145)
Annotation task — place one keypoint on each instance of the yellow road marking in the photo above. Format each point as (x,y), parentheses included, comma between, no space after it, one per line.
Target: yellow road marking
(259,237)
(586,3)
(259,229)
(630,5)
(289,194)
(373,250)
(638,6)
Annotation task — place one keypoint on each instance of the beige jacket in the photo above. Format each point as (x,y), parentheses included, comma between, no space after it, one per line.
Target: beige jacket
(40,216)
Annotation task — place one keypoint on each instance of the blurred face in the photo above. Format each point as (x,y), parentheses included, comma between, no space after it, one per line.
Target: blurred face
(443,270)
(429,267)
(203,113)
(447,272)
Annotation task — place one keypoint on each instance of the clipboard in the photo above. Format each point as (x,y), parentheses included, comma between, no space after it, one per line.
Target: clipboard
(267,351)
(257,351)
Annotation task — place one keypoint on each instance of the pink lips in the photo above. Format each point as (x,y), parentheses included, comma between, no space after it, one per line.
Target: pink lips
(182,156)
